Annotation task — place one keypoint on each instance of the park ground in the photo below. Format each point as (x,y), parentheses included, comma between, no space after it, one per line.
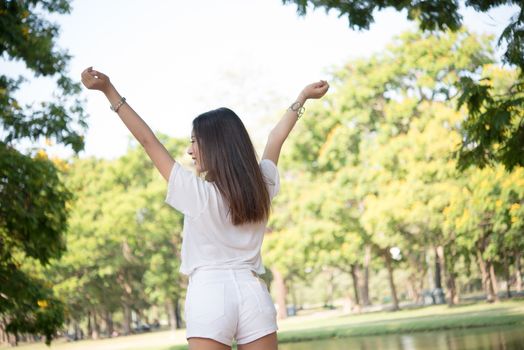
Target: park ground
(334,323)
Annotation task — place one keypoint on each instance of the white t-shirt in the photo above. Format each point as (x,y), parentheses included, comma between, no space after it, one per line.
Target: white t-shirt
(209,239)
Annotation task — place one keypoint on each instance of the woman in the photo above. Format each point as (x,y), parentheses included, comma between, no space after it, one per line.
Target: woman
(225,215)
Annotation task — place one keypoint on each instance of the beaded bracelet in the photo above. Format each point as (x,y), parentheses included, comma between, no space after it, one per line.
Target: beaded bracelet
(118,105)
(297,107)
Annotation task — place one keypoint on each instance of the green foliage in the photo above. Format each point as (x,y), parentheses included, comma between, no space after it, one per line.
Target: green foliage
(33,213)
(34,310)
(33,198)
(374,165)
(27,36)
(485,214)
(32,218)
(430,14)
(494,132)
(123,241)
(494,129)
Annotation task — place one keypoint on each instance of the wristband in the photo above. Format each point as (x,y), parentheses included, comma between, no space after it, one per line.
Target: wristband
(118,105)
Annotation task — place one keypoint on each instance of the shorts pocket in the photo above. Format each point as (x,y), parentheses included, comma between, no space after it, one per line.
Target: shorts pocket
(264,298)
(205,302)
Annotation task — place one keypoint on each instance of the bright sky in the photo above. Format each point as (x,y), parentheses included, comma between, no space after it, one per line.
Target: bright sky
(173,60)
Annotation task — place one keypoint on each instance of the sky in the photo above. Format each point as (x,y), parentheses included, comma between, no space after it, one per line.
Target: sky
(173,60)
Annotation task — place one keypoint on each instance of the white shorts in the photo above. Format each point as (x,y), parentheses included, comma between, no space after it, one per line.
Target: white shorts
(228,304)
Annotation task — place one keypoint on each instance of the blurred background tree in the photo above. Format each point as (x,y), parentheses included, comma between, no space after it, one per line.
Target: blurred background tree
(494,129)
(370,174)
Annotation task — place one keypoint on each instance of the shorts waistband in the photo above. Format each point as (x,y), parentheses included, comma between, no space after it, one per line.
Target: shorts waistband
(222,273)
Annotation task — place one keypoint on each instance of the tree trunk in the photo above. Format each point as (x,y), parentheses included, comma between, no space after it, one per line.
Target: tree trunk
(449,276)
(430,272)
(493,279)
(281,293)
(415,280)
(109,323)
(451,279)
(451,284)
(412,288)
(126,322)
(79,334)
(423,268)
(438,269)
(354,276)
(486,279)
(518,273)
(508,276)
(89,324)
(166,310)
(451,287)
(171,314)
(178,314)
(364,280)
(330,290)
(387,257)
(95,327)
(12,339)
(3,334)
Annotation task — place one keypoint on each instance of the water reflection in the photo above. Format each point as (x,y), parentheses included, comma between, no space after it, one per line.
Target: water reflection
(493,338)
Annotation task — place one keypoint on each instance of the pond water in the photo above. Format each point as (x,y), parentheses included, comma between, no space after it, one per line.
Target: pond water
(503,338)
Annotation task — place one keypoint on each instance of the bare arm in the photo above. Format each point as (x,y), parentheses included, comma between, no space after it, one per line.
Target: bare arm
(281,131)
(141,131)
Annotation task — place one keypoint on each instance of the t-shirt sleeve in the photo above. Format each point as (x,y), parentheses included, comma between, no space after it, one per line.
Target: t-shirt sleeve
(186,192)
(271,176)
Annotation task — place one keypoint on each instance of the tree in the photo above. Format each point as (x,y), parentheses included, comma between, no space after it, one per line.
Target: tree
(494,130)
(485,218)
(373,167)
(123,243)
(376,160)
(32,196)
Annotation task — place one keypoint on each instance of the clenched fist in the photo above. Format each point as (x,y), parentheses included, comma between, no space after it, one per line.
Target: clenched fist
(315,90)
(95,80)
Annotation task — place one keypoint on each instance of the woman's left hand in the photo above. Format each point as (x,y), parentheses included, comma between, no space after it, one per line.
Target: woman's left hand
(315,90)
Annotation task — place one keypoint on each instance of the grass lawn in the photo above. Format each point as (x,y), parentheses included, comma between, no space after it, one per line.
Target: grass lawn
(333,324)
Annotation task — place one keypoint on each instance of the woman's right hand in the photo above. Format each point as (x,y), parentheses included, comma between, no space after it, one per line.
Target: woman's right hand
(95,80)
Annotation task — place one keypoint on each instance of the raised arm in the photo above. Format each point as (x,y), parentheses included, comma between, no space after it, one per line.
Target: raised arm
(280,132)
(161,158)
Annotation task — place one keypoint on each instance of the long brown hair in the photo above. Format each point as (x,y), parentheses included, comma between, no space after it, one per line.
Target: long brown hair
(229,160)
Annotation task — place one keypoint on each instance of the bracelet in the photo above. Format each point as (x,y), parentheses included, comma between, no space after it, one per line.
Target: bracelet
(297,107)
(118,105)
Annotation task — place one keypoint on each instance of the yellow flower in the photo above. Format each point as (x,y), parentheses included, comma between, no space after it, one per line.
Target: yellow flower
(41,154)
(60,163)
(42,304)
(498,203)
(515,207)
